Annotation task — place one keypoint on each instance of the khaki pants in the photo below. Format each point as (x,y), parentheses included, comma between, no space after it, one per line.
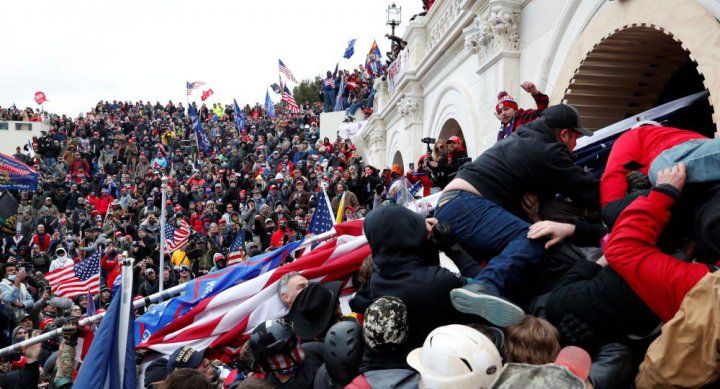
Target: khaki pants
(687,353)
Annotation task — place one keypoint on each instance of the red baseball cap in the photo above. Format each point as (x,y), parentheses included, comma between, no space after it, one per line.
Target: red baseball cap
(455,139)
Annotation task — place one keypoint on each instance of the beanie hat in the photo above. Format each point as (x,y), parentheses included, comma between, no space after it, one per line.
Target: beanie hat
(505,100)
(385,324)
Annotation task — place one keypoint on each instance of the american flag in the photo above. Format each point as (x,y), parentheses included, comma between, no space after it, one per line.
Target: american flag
(193,85)
(284,70)
(176,238)
(72,281)
(322,219)
(287,97)
(222,322)
(239,243)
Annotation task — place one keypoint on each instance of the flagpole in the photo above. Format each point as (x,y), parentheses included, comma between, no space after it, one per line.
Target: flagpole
(125,312)
(163,238)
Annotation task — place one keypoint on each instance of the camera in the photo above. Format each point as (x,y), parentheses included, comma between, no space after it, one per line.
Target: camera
(428,141)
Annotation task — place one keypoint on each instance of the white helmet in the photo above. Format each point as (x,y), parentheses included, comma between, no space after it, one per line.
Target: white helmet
(456,357)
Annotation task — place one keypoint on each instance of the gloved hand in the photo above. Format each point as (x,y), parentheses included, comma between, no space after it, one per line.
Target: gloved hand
(69,331)
(637,181)
(443,236)
(578,332)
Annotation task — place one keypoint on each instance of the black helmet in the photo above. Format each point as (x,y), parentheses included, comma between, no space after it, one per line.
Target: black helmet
(343,351)
(271,338)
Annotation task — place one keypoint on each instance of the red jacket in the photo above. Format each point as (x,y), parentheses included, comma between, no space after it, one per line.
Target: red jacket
(423,177)
(43,242)
(660,280)
(113,267)
(101,203)
(641,145)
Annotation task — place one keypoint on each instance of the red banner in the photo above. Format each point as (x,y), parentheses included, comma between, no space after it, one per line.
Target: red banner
(206,94)
(40,98)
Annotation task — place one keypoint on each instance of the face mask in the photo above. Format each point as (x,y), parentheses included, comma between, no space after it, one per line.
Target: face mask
(12,277)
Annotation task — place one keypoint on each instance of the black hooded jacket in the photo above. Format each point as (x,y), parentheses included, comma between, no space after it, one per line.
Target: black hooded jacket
(406,266)
(530,160)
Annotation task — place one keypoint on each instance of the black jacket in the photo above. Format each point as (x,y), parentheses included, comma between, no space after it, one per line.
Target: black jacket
(406,265)
(530,160)
(601,298)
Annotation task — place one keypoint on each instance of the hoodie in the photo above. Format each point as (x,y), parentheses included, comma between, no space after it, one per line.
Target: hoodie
(406,265)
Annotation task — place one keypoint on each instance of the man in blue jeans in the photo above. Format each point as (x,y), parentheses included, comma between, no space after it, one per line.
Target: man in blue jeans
(483,201)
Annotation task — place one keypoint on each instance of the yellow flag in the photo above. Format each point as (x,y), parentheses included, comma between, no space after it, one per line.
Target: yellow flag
(341,209)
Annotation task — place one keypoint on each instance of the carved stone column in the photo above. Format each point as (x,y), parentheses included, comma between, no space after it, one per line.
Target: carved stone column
(494,34)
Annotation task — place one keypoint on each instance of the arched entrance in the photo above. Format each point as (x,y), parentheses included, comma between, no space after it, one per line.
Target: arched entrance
(635,69)
(451,127)
(398,160)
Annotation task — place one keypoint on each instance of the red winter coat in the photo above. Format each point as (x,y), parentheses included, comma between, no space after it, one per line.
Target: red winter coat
(113,267)
(660,280)
(43,242)
(641,145)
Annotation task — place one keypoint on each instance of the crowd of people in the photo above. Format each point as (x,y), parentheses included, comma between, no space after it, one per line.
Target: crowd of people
(21,115)
(558,277)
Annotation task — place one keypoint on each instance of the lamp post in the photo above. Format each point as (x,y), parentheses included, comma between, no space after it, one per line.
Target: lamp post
(393,16)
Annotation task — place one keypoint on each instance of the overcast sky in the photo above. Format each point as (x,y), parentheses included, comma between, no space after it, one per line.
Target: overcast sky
(80,52)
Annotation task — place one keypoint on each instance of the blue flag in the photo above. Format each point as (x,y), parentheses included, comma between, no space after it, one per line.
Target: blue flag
(350,49)
(202,138)
(15,175)
(240,122)
(160,315)
(100,368)
(269,106)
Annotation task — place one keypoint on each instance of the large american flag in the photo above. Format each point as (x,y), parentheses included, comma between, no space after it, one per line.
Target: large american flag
(193,85)
(287,97)
(72,281)
(223,322)
(235,256)
(176,238)
(322,218)
(284,70)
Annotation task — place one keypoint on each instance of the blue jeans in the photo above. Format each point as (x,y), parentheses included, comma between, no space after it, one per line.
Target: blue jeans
(700,156)
(483,227)
(328,100)
(354,107)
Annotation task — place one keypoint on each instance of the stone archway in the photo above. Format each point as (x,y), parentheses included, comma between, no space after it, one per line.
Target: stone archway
(631,71)
(451,127)
(634,55)
(398,160)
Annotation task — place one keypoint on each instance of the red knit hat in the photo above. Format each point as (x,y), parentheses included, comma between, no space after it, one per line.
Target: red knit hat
(505,100)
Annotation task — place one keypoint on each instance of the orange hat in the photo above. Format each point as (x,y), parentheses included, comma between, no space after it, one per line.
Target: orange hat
(397,169)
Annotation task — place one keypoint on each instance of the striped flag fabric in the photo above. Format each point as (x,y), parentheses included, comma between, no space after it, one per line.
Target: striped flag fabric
(238,243)
(176,238)
(223,322)
(201,288)
(287,97)
(284,70)
(322,219)
(191,86)
(72,281)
